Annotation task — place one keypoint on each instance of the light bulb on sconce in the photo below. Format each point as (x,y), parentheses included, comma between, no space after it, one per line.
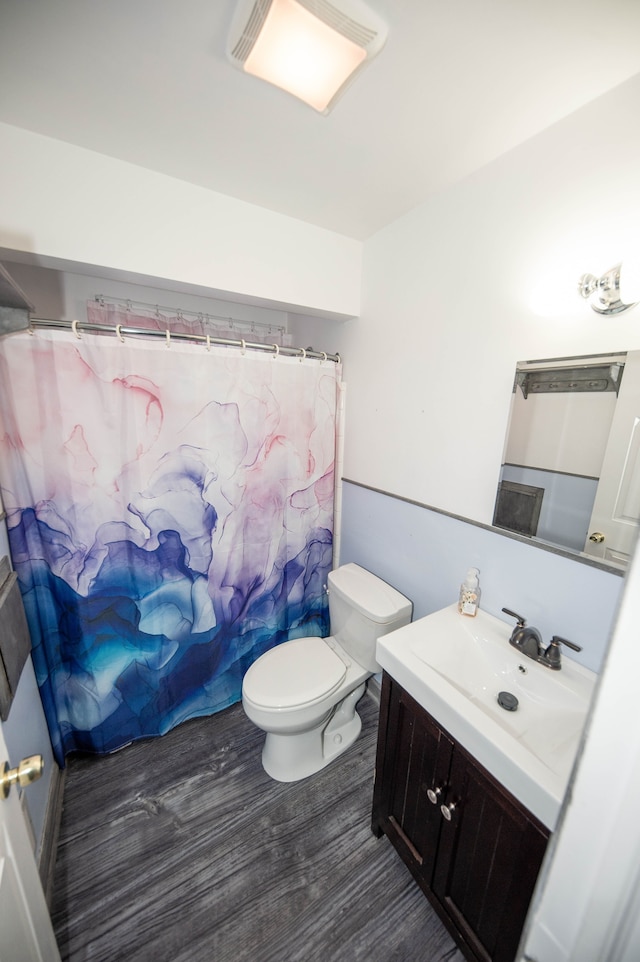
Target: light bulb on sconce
(616,291)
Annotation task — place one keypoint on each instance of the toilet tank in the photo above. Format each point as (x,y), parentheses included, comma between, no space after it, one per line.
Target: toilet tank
(362,608)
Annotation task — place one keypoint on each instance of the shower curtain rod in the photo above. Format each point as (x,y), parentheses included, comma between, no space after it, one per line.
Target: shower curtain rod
(121,331)
(130,305)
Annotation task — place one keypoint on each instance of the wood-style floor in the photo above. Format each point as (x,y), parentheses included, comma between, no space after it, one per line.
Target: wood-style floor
(181,848)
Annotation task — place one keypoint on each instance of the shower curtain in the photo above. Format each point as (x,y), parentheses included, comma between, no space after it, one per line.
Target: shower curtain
(170,513)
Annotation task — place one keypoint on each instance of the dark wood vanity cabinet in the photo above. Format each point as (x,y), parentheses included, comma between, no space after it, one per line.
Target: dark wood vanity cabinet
(478,867)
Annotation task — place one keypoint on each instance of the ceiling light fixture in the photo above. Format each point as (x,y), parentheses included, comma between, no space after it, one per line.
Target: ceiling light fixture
(616,290)
(313,49)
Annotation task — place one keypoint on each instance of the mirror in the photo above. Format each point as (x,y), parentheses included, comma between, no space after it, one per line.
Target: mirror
(570,475)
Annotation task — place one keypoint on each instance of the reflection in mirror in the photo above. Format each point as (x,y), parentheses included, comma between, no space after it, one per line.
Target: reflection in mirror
(571,467)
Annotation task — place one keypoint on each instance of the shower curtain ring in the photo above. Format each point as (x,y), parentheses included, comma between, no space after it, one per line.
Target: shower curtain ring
(276,348)
(324,356)
(168,333)
(303,354)
(208,342)
(244,345)
(74,328)
(119,332)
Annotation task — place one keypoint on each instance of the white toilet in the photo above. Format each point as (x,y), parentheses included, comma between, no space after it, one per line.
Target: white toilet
(303,693)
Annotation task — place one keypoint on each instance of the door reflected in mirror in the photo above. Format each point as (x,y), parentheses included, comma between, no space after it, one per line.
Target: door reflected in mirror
(570,475)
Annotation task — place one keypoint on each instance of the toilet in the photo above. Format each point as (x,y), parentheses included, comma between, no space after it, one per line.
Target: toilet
(303,693)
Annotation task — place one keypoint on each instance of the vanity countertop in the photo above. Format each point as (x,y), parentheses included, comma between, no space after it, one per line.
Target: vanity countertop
(455,667)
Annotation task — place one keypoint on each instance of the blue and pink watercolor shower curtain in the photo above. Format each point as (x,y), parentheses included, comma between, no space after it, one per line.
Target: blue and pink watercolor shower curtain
(170,514)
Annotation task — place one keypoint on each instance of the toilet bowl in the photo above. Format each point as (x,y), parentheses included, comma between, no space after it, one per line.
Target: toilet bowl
(303,693)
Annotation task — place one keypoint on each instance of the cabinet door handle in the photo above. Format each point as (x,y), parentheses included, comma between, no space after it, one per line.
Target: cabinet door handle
(447,810)
(432,794)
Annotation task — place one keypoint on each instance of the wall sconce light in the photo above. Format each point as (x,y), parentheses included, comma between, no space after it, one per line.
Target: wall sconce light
(616,291)
(313,49)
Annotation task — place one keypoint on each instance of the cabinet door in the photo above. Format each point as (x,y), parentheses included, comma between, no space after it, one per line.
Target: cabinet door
(488,860)
(415,758)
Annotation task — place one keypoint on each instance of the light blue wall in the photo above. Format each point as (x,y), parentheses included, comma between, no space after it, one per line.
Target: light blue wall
(425,555)
(566,506)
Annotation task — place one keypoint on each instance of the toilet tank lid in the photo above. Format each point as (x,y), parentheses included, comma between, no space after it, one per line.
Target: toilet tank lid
(369,594)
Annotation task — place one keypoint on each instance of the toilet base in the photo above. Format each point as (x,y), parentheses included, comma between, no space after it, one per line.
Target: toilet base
(289,758)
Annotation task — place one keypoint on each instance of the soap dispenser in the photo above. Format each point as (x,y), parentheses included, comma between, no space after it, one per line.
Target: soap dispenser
(469,594)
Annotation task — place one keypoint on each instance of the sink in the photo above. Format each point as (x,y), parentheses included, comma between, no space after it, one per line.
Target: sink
(474,658)
(456,667)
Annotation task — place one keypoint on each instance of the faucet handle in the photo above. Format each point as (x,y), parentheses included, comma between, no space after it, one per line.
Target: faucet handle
(557,640)
(521,621)
(552,654)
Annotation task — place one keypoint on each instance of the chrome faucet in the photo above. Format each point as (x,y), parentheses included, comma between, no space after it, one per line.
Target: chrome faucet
(529,641)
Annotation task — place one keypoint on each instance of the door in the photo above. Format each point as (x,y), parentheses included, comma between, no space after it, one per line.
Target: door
(489,856)
(616,510)
(410,779)
(26,933)
(421,769)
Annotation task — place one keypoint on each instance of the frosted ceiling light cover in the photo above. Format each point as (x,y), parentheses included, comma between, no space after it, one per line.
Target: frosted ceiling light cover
(310,48)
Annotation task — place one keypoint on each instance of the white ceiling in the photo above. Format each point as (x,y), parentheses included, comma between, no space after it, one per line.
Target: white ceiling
(458,83)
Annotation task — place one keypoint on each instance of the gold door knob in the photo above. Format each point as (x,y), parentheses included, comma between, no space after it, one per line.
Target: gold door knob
(29,770)
(597,537)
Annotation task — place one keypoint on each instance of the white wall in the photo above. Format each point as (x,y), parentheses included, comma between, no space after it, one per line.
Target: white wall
(587,906)
(447,313)
(560,432)
(63,295)
(60,202)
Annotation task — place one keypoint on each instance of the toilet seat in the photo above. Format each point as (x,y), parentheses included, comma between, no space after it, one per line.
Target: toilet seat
(298,672)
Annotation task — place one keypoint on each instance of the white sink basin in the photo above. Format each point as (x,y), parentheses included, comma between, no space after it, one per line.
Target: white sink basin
(456,667)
